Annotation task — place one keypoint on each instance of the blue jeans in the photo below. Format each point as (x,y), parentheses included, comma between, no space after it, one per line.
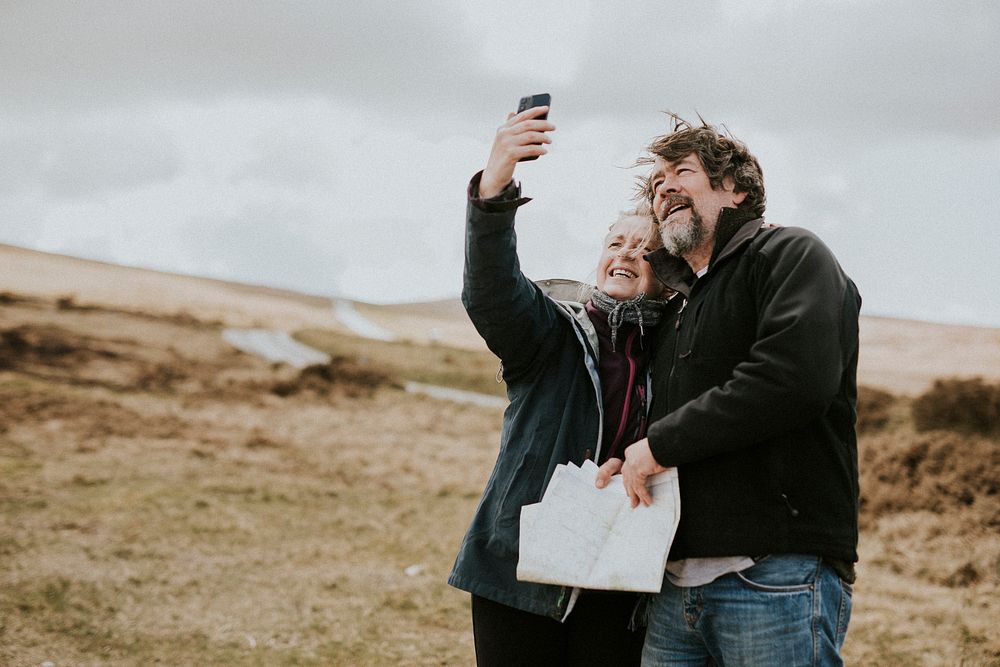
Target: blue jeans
(785,610)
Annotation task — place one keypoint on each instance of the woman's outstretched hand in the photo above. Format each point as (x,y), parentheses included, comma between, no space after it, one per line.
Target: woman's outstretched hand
(523,135)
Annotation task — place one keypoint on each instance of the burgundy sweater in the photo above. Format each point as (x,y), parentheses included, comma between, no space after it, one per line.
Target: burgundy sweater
(623,384)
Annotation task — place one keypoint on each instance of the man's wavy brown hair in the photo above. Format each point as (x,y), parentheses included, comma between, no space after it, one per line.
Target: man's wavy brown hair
(720,153)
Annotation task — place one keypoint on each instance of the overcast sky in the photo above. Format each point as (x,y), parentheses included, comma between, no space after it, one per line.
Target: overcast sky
(326,146)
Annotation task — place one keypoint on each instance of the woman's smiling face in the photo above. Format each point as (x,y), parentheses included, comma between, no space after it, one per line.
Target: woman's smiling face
(622,272)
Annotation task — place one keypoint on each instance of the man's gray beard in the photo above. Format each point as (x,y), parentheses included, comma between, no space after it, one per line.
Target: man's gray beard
(682,239)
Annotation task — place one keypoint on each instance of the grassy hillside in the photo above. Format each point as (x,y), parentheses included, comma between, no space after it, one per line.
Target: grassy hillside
(929,574)
(898,355)
(166,498)
(472,370)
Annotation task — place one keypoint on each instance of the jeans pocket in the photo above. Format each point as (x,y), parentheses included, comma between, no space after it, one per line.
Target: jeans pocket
(843,612)
(782,573)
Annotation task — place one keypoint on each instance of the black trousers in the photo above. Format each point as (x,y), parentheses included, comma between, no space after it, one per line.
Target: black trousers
(596,633)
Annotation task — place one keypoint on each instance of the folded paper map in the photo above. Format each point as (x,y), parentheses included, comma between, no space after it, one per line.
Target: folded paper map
(579,535)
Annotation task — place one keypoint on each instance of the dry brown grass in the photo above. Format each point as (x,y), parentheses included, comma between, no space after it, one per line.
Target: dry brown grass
(900,356)
(905,357)
(875,409)
(203,519)
(341,375)
(929,574)
(86,283)
(470,370)
(429,323)
(160,502)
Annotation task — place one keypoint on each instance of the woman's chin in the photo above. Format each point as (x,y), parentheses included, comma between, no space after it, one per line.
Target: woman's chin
(621,293)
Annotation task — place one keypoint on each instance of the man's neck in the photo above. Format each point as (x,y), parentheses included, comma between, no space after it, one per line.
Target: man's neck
(698,258)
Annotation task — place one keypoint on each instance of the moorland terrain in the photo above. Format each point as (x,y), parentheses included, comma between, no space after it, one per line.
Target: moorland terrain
(167,499)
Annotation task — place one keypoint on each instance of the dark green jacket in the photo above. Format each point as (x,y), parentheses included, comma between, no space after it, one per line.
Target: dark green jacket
(554,416)
(755,395)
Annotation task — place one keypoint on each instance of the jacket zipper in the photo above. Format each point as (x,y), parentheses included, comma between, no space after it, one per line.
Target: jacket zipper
(595,379)
(673,352)
(593,372)
(791,510)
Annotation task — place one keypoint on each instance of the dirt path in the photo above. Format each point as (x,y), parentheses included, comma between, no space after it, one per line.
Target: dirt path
(275,346)
(353,320)
(456,395)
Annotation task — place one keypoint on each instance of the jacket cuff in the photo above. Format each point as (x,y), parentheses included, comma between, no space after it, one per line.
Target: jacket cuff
(508,199)
(659,442)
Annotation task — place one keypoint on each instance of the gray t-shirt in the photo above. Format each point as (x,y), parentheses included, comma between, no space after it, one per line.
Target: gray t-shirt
(690,572)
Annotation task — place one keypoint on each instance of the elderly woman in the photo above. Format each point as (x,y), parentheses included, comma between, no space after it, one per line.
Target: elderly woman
(575,361)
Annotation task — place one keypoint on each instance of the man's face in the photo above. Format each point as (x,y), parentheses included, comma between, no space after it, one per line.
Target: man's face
(686,205)
(622,272)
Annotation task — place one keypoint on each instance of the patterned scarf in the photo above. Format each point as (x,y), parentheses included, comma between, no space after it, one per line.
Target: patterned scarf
(637,310)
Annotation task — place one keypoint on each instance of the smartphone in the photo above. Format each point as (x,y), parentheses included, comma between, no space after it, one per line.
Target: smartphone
(541,100)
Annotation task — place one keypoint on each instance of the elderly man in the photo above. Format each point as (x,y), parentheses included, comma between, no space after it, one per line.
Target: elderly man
(754,402)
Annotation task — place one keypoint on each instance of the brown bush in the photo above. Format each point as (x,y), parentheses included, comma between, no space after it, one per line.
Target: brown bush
(350,375)
(937,471)
(67,302)
(874,408)
(14,341)
(966,405)
(158,376)
(964,576)
(8,298)
(34,343)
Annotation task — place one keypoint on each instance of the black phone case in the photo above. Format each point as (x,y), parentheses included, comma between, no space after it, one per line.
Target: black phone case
(540,100)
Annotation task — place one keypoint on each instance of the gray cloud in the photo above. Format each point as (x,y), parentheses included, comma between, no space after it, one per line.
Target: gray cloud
(290,132)
(83,55)
(877,67)
(85,158)
(21,163)
(271,243)
(910,223)
(289,159)
(105,158)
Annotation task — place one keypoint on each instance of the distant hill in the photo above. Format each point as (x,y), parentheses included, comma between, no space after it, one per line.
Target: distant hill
(903,356)
(34,273)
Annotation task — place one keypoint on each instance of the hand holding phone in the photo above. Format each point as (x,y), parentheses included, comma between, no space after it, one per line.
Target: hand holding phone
(529,102)
(522,134)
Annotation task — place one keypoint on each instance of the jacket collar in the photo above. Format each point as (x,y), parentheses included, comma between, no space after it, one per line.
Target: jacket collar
(734,228)
(571,297)
(561,289)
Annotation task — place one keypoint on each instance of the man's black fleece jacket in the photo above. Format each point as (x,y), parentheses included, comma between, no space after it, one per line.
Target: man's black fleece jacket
(755,395)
